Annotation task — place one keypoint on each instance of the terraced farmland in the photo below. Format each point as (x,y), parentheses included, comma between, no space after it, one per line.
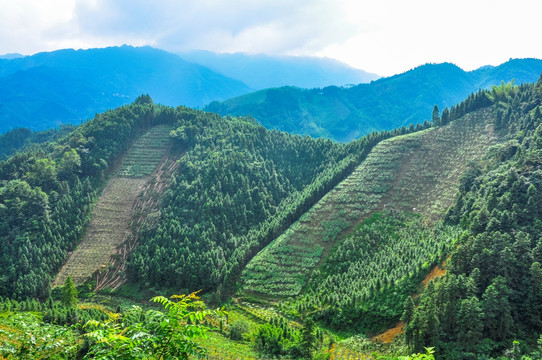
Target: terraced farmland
(110,223)
(417,172)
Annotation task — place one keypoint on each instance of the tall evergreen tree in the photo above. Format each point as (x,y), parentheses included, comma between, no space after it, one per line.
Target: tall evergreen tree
(436,116)
(69,293)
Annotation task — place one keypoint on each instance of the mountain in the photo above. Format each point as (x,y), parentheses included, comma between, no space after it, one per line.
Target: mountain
(346,113)
(11,56)
(71,86)
(265,71)
(430,232)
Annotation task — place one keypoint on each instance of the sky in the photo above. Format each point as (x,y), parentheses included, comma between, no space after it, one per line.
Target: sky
(385,37)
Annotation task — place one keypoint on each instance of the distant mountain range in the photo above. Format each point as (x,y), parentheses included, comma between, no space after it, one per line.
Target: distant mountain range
(46,89)
(346,113)
(264,71)
(70,86)
(11,56)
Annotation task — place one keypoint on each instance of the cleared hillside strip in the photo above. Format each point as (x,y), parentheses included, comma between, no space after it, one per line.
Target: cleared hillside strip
(418,172)
(113,212)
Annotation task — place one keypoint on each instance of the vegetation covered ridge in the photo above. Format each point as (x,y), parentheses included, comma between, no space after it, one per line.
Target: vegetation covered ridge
(415,172)
(47,193)
(346,113)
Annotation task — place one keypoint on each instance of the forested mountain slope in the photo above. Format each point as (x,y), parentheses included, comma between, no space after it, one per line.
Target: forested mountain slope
(344,114)
(415,173)
(237,185)
(68,86)
(47,193)
(491,294)
(356,227)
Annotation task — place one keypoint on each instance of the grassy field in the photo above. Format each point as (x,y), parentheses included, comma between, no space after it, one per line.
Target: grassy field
(113,212)
(417,172)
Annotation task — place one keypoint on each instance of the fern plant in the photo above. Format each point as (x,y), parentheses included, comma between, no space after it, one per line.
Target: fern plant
(153,334)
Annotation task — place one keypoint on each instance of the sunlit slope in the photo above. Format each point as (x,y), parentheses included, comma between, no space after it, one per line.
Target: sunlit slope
(415,172)
(110,223)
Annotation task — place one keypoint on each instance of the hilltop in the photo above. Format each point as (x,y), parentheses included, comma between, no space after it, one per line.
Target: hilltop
(311,244)
(346,113)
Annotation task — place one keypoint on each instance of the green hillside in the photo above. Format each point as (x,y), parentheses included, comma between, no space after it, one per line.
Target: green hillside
(491,294)
(418,173)
(311,246)
(346,113)
(109,226)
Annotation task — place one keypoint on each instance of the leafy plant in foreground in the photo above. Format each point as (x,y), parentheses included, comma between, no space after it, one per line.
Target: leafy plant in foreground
(152,334)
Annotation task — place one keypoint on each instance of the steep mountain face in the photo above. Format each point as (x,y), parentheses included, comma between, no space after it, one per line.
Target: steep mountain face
(344,114)
(265,71)
(350,252)
(47,89)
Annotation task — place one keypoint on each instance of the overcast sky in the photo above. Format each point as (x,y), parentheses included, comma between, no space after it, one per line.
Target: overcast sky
(380,36)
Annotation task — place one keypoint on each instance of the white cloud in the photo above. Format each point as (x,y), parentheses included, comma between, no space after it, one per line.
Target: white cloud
(386,36)
(399,35)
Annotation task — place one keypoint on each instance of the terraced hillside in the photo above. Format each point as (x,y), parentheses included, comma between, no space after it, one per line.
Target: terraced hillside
(417,172)
(113,212)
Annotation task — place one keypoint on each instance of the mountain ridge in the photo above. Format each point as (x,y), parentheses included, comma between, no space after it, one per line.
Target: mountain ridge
(102,79)
(344,114)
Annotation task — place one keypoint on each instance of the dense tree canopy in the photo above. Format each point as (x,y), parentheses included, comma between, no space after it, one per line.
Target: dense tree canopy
(490,295)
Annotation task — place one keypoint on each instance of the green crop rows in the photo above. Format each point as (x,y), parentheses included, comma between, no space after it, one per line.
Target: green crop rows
(418,172)
(146,153)
(111,217)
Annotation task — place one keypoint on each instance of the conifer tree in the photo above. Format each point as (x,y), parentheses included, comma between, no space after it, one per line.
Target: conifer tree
(436,118)
(69,293)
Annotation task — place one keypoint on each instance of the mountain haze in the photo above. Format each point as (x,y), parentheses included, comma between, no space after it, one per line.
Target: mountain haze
(266,71)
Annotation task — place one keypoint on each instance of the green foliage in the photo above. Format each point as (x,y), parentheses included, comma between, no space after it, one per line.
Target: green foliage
(347,113)
(238,186)
(146,153)
(239,329)
(23,336)
(416,170)
(490,295)
(69,293)
(428,355)
(47,192)
(503,92)
(152,334)
(366,280)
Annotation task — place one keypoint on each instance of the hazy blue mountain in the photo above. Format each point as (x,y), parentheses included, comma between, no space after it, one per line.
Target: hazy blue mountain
(345,113)
(11,56)
(62,86)
(265,71)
